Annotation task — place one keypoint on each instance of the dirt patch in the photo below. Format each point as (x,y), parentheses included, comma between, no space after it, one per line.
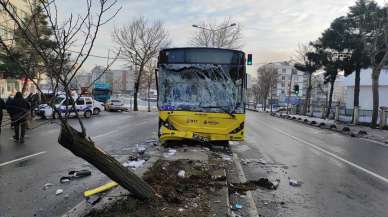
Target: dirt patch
(185,196)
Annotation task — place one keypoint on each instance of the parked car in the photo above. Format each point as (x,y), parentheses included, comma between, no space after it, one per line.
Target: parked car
(84,105)
(115,105)
(98,107)
(259,107)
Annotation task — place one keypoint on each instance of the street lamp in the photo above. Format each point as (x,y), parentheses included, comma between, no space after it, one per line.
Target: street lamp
(213,30)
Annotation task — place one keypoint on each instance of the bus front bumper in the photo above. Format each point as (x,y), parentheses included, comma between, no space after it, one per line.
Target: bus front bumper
(203,137)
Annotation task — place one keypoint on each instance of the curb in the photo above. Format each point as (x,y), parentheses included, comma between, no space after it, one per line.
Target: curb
(252,205)
(346,130)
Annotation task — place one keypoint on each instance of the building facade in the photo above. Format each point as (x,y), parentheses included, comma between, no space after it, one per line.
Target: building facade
(7,27)
(121,80)
(366,95)
(287,78)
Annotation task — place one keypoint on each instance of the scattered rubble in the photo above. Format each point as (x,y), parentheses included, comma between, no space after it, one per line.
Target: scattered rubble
(253,185)
(134,164)
(294,183)
(75,174)
(170,153)
(186,197)
(181,174)
(47,185)
(58,191)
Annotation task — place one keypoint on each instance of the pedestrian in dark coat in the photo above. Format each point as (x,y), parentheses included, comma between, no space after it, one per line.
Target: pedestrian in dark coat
(20,109)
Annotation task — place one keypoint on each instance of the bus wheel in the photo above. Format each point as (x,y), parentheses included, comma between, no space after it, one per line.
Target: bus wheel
(88,114)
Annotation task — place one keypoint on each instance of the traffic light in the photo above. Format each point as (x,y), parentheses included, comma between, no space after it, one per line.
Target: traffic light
(296,89)
(249,60)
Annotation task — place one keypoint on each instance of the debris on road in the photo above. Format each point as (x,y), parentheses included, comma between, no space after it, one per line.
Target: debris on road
(294,183)
(58,192)
(134,164)
(93,200)
(75,174)
(256,161)
(187,197)
(181,174)
(253,185)
(170,153)
(100,189)
(237,206)
(47,185)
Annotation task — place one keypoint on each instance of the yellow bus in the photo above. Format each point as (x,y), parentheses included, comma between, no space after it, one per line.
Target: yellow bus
(201,94)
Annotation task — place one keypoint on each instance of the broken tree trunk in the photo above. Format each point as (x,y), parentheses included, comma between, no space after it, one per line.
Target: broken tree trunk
(85,148)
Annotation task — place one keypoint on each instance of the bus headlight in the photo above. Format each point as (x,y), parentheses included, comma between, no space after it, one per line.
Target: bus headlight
(238,129)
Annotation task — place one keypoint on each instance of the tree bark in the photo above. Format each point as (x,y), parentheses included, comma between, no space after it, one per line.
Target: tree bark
(375,91)
(308,95)
(356,99)
(25,82)
(330,99)
(137,87)
(84,148)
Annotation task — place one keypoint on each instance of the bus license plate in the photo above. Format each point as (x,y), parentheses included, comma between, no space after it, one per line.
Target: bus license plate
(200,137)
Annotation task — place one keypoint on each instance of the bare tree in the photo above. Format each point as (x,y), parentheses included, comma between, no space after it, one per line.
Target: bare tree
(224,35)
(267,76)
(75,31)
(140,41)
(149,79)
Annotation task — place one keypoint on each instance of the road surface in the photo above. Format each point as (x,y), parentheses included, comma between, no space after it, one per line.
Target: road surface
(26,168)
(342,176)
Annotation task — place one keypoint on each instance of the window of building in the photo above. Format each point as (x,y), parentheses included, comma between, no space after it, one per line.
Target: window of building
(283,78)
(284,71)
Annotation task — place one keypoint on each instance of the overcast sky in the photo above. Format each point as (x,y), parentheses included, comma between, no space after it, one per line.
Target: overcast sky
(272,29)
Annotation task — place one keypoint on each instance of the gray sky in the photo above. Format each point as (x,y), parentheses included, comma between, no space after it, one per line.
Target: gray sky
(272,29)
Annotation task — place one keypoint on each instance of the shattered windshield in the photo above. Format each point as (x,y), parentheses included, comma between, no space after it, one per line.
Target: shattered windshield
(201,87)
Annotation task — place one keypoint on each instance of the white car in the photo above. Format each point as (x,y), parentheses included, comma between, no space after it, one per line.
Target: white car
(85,106)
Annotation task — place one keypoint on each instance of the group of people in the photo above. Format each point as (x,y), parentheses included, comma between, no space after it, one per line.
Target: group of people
(19,110)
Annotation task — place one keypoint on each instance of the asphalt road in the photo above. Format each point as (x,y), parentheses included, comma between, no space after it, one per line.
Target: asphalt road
(26,168)
(342,176)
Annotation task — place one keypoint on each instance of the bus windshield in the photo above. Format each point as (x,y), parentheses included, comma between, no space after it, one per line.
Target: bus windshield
(201,87)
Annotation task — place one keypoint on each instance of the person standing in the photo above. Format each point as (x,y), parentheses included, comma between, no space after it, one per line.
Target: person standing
(20,109)
(2,107)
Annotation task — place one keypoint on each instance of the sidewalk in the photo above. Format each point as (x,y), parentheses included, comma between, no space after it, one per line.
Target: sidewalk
(377,135)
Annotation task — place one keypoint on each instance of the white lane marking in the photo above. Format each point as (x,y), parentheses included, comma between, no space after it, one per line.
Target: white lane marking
(252,206)
(374,141)
(105,134)
(117,130)
(382,178)
(22,158)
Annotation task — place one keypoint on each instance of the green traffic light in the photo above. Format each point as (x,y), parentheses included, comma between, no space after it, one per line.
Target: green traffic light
(249,60)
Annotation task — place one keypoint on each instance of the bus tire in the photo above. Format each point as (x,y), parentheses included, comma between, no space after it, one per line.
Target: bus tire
(88,114)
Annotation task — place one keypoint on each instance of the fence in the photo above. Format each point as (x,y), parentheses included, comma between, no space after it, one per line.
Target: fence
(345,115)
